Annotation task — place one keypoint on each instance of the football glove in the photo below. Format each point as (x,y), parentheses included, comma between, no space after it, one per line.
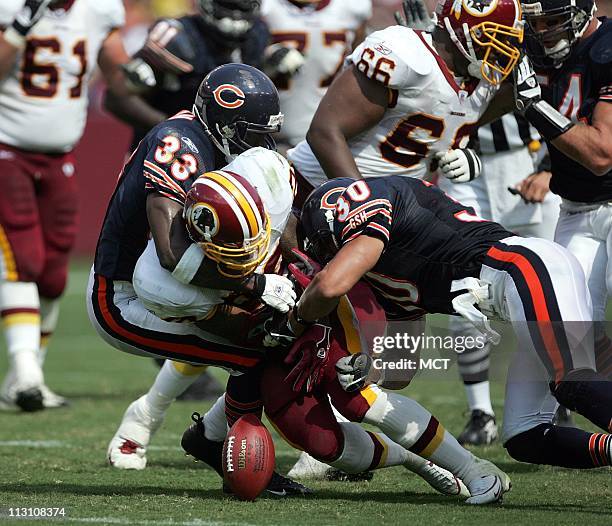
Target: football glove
(278,331)
(459,165)
(309,356)
(281,59)
(353,371)
(304,269)
(527,98)
(275,291)
(139,75)
(169,48)
(415,16)
(26,19)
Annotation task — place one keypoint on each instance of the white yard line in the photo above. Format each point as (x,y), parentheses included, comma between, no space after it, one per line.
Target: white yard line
(152,522)
(32,443)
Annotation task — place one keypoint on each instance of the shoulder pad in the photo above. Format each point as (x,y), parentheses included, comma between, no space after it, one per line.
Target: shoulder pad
(395,53)
(601,51)
(169,48)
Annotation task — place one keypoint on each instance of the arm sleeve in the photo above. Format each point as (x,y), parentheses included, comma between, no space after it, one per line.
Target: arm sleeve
(364,209)
(171,165)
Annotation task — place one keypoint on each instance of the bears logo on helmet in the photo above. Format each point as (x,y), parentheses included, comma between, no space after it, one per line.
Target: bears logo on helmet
(233,92)
(226,216)
(488,33)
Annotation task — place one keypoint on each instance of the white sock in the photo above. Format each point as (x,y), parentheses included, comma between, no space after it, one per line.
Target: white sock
(19,309)
(49,315)
(215,421)
(479,397)
(169,384)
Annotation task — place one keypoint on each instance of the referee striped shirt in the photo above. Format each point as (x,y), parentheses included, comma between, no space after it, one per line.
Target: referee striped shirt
(508,133)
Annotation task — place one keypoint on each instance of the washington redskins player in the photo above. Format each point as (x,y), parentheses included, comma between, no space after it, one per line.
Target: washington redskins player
(48,52)
(309,42)
(407,97)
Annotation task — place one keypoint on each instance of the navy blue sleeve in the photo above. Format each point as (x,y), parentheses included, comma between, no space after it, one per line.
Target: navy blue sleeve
(364,209)
(173,161)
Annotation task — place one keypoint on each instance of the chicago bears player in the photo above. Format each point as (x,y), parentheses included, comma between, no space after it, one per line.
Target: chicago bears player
(48,53)
(168,298)
(180,52)
(407,95)
(321,32)
(571,52)
(452,261)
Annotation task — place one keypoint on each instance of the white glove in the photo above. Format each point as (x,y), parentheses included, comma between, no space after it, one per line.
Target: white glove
(281,59)
(460,166)
(415,16)
(527,89)
(353,371)
(278,293)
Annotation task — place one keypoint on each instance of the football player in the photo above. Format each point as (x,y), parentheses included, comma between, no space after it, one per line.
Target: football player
(453,261)
(507,149)
(309,42)
(408,95)
(570,49)
(49,50)
(179,52)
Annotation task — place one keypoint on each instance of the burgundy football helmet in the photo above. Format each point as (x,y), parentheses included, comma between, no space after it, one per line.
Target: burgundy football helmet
(486,32)
(226,216)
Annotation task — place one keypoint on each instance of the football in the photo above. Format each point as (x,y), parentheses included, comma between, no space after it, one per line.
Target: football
(248,457)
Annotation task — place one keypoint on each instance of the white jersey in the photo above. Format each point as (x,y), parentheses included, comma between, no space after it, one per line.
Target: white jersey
(324,33)
(43,100)
(428,110)
(169,298)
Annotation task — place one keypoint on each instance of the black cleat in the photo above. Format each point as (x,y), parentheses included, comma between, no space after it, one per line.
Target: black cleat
(481,430)
(195,443)
(563,417)
(30,400)
(336,475)
(281,486)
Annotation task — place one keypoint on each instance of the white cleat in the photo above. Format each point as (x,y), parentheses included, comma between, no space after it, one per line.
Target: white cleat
(308,467)
(128,448)
(487,483)
(22,386)
(441,480)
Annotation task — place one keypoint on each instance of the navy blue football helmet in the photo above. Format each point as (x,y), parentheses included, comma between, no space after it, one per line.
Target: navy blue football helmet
(554,27)
(316,228)
(238,105)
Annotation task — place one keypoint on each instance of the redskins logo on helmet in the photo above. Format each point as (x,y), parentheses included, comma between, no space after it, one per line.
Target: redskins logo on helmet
(226,216)
(486,32)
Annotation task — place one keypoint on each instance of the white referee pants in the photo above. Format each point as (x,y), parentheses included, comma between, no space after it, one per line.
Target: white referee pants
(540,288)
(586,231)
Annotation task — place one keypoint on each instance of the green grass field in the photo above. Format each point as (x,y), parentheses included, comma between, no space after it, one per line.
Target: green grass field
(57,459)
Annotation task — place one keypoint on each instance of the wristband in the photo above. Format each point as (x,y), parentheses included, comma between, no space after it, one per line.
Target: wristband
(189,264)
(548,121)
(14,37)
(259,285)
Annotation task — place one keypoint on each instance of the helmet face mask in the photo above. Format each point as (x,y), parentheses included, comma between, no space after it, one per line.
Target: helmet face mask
(317,220)
(225,215)
(554,27)
(229,20)
(487,33)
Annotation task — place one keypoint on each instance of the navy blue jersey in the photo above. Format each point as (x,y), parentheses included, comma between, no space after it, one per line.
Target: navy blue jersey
(584,80)
(167,161)
(430,240)
(177,92)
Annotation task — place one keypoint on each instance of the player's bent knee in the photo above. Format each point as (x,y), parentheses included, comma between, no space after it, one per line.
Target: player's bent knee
(326,445)
(529,446)
(357,451)
(575,391)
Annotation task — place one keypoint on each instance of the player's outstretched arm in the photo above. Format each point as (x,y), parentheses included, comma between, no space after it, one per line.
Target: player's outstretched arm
(339,276)
(120,101)
(351,105)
